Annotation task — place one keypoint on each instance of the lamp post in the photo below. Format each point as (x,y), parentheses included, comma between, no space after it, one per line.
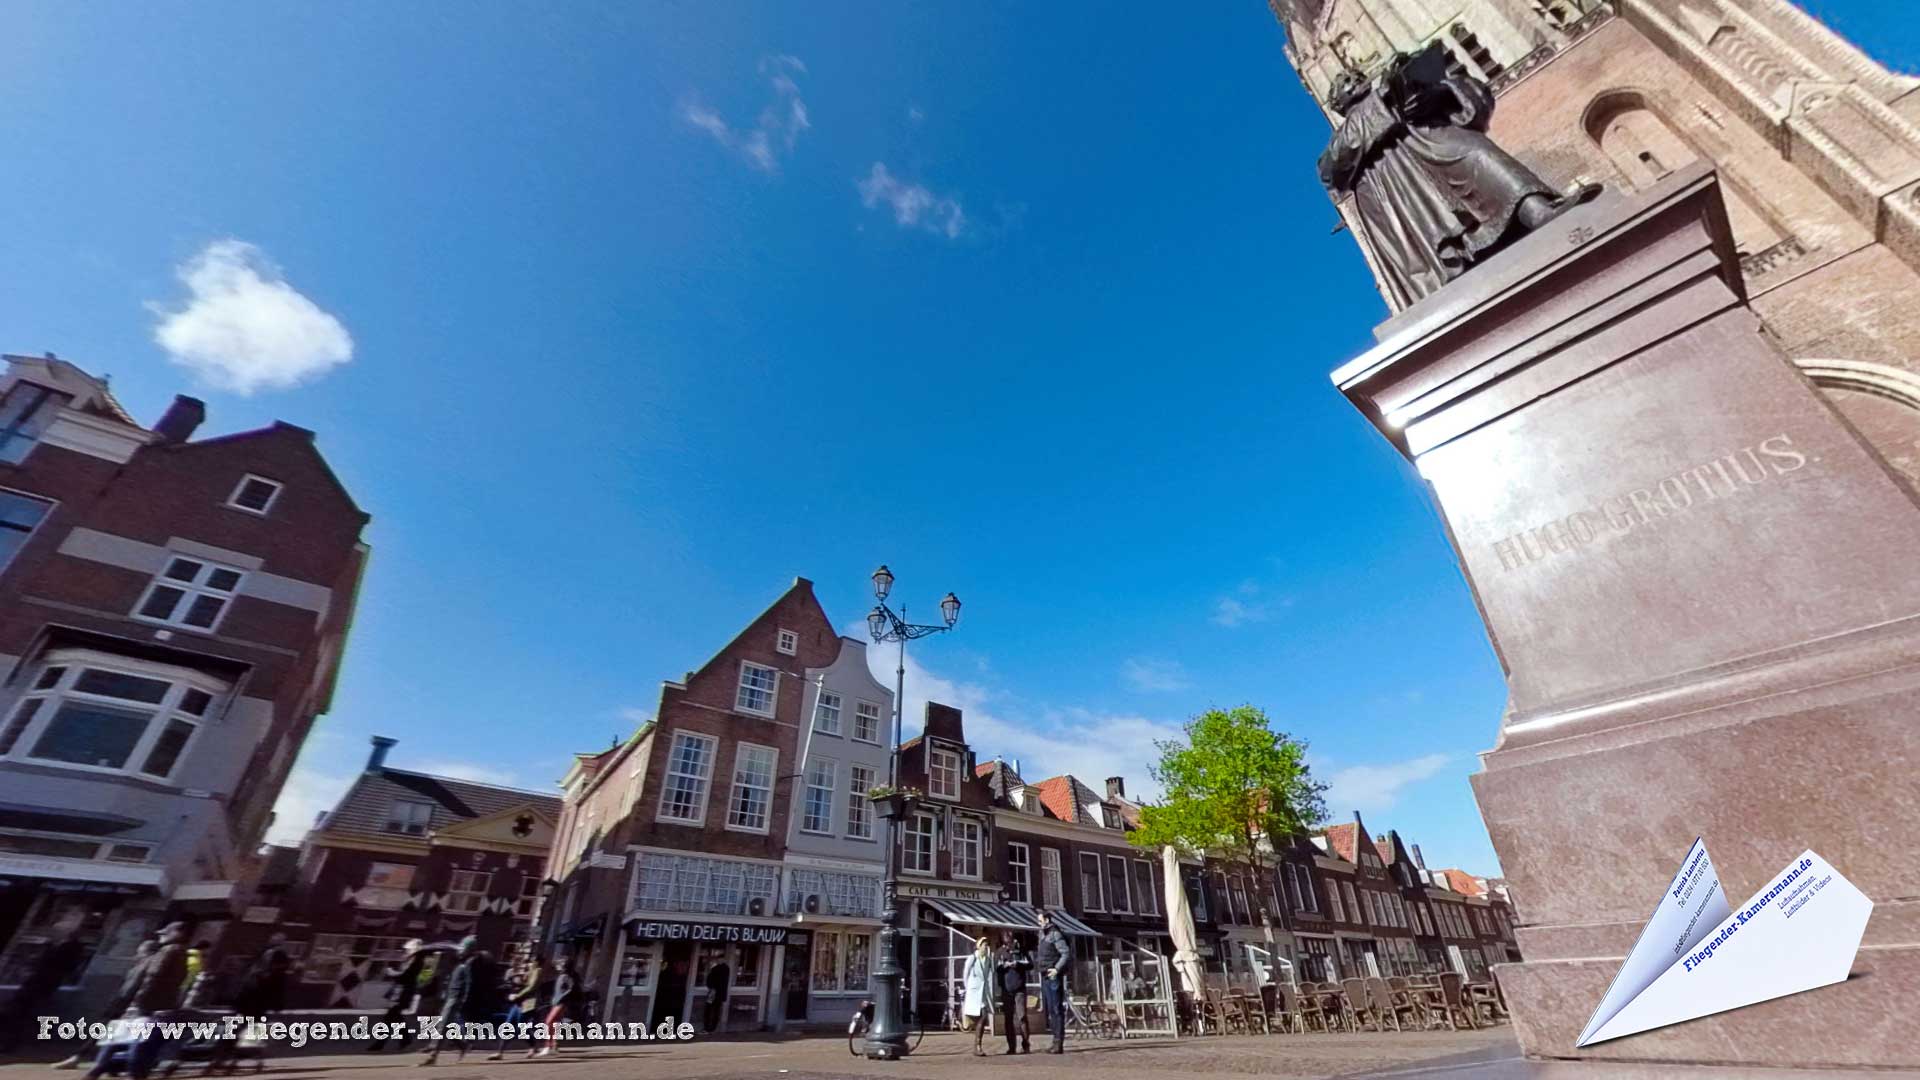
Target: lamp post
(887,1036)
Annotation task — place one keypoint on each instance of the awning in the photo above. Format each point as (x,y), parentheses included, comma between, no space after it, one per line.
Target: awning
(1005,916)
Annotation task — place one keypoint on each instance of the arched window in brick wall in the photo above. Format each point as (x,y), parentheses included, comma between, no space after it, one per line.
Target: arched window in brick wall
(1645,147)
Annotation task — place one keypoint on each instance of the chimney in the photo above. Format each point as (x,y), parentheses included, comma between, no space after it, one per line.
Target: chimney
(1417,860)
(378,759)
(1116,787)
(181,419)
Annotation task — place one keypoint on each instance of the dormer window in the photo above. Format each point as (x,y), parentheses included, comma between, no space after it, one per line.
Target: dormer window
(786,641)
(255,494)
(25,412)
(1109,818)
(409,818)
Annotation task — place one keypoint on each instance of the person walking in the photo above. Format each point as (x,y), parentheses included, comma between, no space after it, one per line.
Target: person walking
(263,992)
(566,991)
(157,990)
(977,991)
(470,993)
(719,980)
(403,993)
(525,1002)
(1012,963)
(1054,956)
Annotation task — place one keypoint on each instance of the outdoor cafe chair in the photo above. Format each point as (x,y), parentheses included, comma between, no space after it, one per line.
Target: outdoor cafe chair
(1453,999)
(1355,991)
(1389,1003)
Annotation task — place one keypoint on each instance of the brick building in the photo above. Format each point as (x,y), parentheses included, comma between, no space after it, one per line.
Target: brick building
(407,855)
(704,839)
(1817,147)
(172,615)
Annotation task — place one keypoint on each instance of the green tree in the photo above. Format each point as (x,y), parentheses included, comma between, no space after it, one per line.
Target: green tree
(1233,788)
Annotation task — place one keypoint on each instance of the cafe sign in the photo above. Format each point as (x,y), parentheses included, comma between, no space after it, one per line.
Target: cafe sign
(668,930)
(943,891)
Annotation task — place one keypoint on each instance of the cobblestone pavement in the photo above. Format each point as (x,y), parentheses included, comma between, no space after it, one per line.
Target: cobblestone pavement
(1424,1055)
(942,1057)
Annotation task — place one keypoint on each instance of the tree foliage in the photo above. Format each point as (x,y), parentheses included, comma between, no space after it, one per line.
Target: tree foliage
(1231,784)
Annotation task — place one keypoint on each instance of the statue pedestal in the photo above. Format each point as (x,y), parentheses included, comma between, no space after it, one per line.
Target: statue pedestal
(1704,588)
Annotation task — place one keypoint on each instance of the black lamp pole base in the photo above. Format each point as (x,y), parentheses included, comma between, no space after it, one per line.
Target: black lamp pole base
(887,1038)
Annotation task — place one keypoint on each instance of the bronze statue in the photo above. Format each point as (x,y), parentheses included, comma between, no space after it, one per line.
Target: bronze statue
(1434,195)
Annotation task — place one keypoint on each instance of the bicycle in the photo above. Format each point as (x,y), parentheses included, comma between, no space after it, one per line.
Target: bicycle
(863,1019)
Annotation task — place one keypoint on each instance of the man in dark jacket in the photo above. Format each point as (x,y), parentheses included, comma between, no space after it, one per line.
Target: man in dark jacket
(404,990)
(470,998)
(156,990)
(718,983)
(1013,962)
(1053,959)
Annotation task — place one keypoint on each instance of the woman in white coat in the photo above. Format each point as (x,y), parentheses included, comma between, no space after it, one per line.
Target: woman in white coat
(975,1005)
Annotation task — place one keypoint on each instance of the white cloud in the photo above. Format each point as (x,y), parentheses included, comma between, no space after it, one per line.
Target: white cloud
(916,114)
(1142,673)
(1090,745)
(469,770)
(777,130)
(243,328)
(1233,611)
(635,715)
(1369,788)
(309,792)
(913,205)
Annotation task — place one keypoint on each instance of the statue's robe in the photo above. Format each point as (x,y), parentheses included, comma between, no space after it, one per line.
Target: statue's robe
(1434,195)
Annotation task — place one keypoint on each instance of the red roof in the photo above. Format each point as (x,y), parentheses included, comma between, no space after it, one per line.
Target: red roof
(984,770)
(1463,883)
(1056,794)
(1385,848)
(1341,838)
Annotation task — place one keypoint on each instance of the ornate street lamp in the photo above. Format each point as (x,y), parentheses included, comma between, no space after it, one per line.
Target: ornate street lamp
(887,1036)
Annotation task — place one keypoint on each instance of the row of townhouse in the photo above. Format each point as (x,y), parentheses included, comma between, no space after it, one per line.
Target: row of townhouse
(172,615)
(734,828)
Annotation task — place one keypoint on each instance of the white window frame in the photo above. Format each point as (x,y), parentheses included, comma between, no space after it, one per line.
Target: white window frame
(743,688)
(477,898)
(868,710)
(827,790)
(703,781)
(961,827)
(1152,894)
(1339,911)
(1020,857)
(25,719)
(933,847)
(393,819)
(822,712)
(1353,901)
(935,755)
(381,891)
(1126,885)
(30,426)
(740,752)
(26,534)
(1099,901)
(860,780)
(233,500)
(1053,882)
(191,590)
(786,642)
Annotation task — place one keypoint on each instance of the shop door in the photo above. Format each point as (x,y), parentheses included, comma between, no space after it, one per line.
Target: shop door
(676,968)
(794,981)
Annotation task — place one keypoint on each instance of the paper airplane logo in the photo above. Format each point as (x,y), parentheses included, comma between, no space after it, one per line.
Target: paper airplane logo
(1699,956)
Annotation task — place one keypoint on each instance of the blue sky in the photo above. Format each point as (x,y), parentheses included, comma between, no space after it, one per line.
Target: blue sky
(651,308)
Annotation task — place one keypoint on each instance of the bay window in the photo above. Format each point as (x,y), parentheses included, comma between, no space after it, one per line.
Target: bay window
(98,711)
